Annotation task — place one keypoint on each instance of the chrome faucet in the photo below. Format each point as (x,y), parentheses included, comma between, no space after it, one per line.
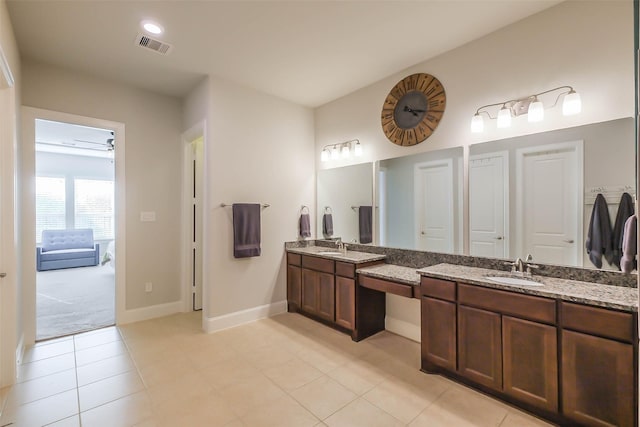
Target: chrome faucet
(341,246)
(523,267)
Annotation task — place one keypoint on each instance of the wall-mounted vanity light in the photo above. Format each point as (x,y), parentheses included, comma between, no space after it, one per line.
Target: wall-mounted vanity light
(530,105)
(341,150)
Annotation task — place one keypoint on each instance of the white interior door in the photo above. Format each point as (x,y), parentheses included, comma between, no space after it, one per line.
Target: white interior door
(198,158)
(549,194)
(489,205)
(434,206)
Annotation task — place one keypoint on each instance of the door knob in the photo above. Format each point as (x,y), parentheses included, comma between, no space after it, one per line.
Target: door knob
(568,241)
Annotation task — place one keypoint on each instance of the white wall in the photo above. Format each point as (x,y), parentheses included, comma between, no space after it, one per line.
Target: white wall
(260,149)
(153,168)
(11,325)
(588,45)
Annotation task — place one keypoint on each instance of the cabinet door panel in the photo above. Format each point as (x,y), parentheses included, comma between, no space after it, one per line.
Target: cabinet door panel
(326,296)
(294,287)
(530,354)
(438,332)
(346,302)
(309,291)
(480,346)
(597,380)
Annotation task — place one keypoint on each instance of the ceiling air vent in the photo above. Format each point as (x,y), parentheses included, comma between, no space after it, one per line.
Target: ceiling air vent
(155,45)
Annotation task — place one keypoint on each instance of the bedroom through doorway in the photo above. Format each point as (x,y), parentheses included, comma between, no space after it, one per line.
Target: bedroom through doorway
(75,228)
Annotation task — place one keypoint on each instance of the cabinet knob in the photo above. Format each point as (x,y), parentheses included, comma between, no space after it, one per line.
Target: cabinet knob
(3,275)
(498,238)
(568,241)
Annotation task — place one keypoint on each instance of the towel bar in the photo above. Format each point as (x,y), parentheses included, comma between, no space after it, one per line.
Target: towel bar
(226,205)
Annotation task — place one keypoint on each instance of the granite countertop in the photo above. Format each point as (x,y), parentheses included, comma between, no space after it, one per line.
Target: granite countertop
(396,273)
(325,252)
(616,297)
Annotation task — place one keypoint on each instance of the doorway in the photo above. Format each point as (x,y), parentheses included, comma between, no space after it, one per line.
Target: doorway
(75,228)
(489,205)
(194,200)
(549,194)
(29,291)
(434,206)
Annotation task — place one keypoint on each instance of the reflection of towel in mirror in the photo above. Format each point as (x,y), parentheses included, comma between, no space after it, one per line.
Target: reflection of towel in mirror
(599,233)
(365,220)
(629,245)
(305,225)
(327,225)
(625,210)
(246,230)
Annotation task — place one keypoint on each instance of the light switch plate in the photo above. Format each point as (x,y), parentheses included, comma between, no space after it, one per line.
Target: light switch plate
(147,216)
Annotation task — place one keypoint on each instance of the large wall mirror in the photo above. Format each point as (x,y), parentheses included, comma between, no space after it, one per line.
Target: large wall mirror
(531,194)
(535,194)
(420,201)
(342,192)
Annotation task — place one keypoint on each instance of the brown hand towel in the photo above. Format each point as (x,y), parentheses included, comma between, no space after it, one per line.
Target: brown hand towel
(246,230)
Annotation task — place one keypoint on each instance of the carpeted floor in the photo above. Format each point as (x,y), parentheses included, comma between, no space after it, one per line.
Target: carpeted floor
(72,300)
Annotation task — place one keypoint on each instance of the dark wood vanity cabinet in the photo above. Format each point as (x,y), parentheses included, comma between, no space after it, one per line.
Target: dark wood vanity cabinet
(323,288)
(530,362)
(438,333)
(318,287)
(507,342)
(480,346)
(294,282)
(599,366)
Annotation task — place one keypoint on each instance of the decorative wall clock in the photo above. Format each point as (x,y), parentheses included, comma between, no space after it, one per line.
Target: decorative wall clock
(413,109)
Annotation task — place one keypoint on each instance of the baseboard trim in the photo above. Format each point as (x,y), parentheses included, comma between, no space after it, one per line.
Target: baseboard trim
(226,321)
(402,328)
(151,312)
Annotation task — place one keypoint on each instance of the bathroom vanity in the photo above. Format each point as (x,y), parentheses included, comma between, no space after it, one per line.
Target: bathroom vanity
(321,284)
(564,349)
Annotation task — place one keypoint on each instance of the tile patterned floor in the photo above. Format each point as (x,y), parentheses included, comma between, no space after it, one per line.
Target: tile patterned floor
(283,371)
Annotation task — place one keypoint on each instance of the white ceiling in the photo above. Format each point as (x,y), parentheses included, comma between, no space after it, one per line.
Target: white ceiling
(308,52)
(68,138)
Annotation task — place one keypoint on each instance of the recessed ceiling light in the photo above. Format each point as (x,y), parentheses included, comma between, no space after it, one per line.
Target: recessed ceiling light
(152,27)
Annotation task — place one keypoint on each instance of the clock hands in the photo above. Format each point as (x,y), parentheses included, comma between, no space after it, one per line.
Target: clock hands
(413,111)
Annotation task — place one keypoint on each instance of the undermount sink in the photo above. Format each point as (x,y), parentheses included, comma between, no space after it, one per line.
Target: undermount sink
(518,281)
(331,253)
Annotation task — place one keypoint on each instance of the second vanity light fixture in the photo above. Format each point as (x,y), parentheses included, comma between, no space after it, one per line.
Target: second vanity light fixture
(530,105)
(341,150)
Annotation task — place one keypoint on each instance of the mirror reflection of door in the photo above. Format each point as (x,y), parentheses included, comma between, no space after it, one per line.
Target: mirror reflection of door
(434,206)
(489,205)
(549,191)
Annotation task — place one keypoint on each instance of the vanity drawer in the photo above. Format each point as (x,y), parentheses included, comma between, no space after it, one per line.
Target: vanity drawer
(345,269)
(525,306)
(598,321)
(386,286)
(318,264)
(294,259)
(437,288)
